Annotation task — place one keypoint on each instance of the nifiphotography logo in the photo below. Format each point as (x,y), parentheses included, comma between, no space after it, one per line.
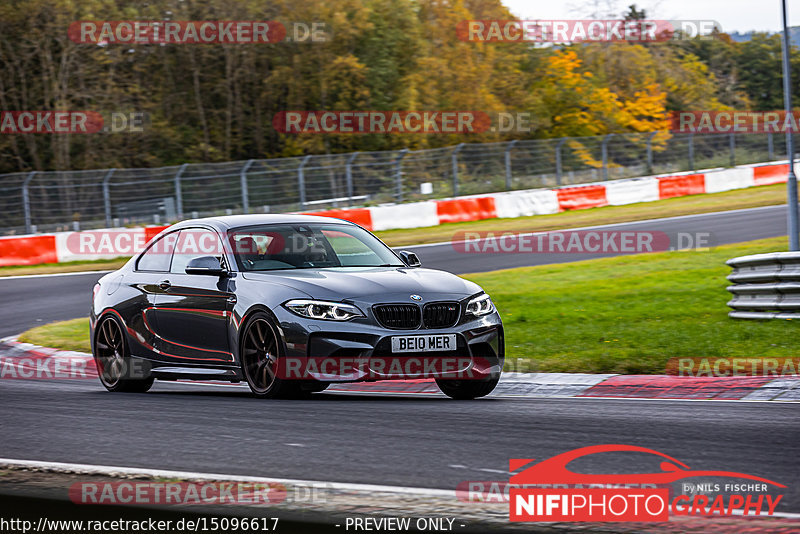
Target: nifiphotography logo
(548,491)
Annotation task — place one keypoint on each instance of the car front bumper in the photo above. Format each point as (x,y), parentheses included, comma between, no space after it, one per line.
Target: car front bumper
(360,350)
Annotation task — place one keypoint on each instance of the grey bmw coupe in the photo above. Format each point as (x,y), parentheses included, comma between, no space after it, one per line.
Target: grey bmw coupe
(290,304)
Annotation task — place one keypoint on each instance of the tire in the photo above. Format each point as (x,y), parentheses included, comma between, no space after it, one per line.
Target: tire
(260,349)
(116,368)
(467,389)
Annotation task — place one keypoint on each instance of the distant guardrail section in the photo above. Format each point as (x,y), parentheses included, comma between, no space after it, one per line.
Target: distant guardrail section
(765,286)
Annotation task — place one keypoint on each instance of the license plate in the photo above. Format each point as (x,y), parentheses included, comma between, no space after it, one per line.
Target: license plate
(433,342)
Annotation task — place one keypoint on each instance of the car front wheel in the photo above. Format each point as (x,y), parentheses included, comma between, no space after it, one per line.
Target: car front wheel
(260,350)
(467,389)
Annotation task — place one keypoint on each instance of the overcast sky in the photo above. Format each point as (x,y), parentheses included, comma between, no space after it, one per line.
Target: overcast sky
(733,15)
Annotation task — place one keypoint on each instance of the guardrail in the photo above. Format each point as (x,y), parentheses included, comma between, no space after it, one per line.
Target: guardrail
(765,286)
(36,201)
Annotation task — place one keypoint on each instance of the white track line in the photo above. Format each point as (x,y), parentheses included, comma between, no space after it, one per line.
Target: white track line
(88,469)
(435,395)
(48,275)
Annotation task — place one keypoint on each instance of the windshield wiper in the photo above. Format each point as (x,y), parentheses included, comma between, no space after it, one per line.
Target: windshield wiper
(381,265)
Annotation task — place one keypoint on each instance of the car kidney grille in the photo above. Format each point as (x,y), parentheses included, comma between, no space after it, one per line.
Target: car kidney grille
(398,316)
(441,314)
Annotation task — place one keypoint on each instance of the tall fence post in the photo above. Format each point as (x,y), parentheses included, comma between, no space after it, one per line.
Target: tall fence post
(454,162)
(770,147)
(732,145)
(691,151)
(509,148)
(348,176)
(792,215)
(243,182)
(178,192)
(559,164)
(107,197)
(650,152)
(26,202)
(301,181)
(398,175)
(604,150)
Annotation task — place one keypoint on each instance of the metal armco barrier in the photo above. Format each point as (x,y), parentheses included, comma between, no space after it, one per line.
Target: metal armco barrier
(765,286)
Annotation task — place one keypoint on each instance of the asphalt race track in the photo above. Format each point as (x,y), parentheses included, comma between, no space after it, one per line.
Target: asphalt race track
(723,227)
(398,441)
(409,441)
(31,301)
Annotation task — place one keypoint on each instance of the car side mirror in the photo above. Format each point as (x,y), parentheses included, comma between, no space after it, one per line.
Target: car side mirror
(410,259)
(208,265)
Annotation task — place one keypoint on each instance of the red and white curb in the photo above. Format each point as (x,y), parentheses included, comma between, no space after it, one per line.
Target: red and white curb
(67,246)
(27,361)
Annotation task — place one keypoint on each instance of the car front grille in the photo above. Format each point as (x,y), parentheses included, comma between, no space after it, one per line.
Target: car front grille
(409,317)
(441,314)
(398,316)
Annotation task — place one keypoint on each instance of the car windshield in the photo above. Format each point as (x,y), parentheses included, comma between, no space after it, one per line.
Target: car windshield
(308,246)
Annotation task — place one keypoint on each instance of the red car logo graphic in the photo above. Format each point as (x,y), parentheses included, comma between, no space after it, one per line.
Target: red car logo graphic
(554,470)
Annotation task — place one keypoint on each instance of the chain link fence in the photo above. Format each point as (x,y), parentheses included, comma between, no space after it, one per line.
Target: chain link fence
(68,200)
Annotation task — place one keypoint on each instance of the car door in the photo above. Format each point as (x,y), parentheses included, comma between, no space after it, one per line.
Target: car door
(193,310)
(150,270)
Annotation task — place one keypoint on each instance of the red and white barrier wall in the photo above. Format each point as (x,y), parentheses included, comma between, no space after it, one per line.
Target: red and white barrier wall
(61,247)
(546,201)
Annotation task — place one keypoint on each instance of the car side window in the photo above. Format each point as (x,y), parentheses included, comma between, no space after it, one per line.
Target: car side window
(158,255)
(194,243)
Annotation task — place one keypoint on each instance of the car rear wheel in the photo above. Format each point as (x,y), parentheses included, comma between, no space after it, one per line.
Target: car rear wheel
(115,367)
(467,389)
(260,359)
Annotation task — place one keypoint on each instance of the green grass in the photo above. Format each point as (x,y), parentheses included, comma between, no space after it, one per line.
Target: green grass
(66,335)
(628,314)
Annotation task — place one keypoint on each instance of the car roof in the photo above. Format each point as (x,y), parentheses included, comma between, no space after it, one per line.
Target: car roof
(228,222)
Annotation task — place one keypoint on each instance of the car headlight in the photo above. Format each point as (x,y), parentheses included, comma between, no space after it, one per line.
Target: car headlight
(319,309)
(479,306)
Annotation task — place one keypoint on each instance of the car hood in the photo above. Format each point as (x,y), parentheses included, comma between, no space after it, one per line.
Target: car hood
(359,283)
